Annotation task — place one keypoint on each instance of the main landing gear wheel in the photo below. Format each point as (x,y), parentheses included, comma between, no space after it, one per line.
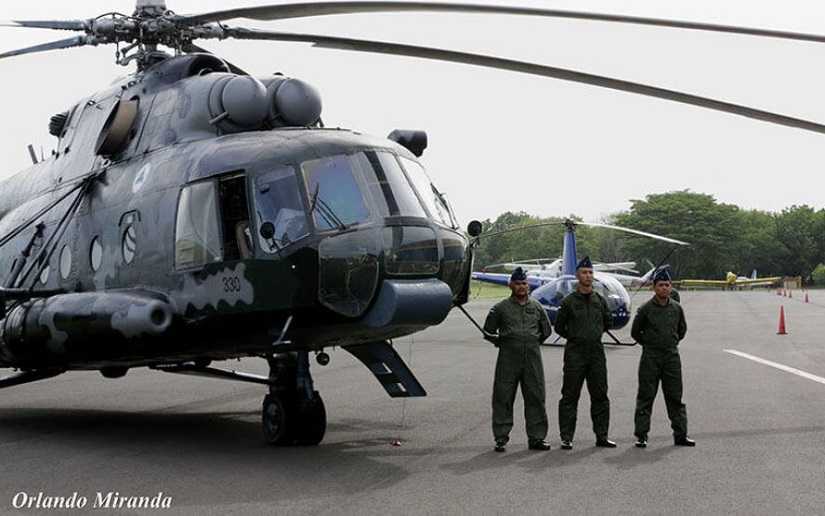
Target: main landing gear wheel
(293,412)
(292,421)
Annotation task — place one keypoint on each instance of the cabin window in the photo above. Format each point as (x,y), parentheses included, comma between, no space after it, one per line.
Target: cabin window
(433,200)
(335,199)
(197,233)
(390,190)
(278,201)
(237,235)
(65,262)
(96,254)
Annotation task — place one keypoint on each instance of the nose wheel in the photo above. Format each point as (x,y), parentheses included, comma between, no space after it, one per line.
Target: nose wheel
(292,412)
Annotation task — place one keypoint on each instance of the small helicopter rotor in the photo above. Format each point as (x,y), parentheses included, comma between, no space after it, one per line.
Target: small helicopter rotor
(633,232)
(571,225)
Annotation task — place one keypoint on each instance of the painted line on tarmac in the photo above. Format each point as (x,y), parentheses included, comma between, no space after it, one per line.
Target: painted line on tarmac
(779,366)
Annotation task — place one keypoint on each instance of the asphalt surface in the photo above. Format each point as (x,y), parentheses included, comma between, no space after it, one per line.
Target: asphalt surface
(760,432)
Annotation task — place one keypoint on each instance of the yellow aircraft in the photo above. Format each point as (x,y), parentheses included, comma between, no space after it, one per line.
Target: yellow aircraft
(732,281)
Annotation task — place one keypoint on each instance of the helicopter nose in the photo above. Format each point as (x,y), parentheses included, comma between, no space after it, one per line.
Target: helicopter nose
(391,275)
(349,271)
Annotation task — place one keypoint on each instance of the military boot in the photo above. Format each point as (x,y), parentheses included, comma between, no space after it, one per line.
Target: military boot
(604,442)
(539,444)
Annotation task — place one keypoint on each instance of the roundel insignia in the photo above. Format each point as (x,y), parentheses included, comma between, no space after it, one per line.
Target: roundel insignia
(141,177)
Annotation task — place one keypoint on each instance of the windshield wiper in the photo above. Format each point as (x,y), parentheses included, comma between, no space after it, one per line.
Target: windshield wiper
(324,210)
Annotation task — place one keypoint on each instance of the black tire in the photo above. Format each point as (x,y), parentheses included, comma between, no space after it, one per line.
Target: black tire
(311,421)
(276,420)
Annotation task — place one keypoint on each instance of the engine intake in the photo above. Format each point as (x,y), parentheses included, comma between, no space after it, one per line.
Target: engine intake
(292,103)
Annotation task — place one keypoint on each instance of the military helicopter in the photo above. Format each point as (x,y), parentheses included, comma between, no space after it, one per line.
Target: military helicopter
(193,213)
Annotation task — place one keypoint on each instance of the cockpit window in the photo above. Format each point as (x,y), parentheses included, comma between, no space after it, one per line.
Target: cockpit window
(334,197)
(432,199)
(390,190)
(278,202)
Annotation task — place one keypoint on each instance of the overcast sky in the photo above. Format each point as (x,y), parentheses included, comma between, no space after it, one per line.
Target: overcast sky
(506,141)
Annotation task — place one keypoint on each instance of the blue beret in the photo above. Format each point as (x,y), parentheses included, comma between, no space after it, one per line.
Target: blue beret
(662,274)
(585,263)
(518,275)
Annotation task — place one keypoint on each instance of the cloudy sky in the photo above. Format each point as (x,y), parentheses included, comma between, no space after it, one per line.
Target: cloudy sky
(506,141)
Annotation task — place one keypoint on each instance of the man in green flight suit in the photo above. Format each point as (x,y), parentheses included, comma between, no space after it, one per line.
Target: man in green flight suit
(659,326)
(582,319)
(517,326)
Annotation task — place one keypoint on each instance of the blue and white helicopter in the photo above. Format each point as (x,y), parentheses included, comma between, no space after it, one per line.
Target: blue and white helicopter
(549,290)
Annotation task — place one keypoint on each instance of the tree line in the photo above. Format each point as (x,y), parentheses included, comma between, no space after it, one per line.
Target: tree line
(723,238)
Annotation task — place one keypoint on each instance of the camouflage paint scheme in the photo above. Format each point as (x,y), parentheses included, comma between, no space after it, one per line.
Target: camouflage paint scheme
(218,311)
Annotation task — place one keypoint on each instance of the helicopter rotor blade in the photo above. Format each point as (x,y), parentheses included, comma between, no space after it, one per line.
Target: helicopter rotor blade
(309,9)
(81,25)
(565,74)
(77,41)
(633,231)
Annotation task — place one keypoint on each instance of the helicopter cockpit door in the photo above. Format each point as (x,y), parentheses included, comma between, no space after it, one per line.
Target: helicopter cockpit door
(234,215)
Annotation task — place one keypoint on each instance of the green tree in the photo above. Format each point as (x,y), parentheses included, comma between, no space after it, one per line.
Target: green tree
(818,275)
(710,227)
(796,231)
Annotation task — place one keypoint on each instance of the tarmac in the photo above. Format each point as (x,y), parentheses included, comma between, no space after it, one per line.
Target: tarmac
(760,431)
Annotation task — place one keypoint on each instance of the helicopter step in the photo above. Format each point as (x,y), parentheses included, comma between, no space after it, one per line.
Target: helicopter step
(389,368)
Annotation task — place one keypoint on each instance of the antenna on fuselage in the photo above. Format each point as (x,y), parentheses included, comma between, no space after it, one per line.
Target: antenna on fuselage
(32,154)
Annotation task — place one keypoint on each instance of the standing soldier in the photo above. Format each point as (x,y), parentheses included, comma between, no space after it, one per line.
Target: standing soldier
(659,326)
(582,319)
(521,326)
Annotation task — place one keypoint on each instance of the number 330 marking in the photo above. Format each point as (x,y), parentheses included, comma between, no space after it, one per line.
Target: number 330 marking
(232,284)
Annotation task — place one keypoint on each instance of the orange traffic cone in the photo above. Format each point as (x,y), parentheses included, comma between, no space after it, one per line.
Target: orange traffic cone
(782,321)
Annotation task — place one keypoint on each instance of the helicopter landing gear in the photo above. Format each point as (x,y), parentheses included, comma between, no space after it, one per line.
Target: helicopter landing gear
(293,412)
